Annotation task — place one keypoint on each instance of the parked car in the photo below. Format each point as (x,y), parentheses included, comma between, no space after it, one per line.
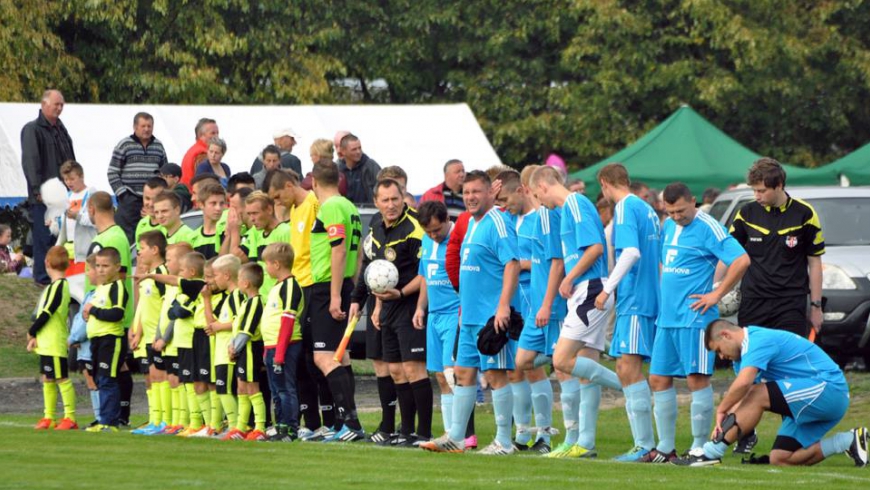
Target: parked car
(845,216)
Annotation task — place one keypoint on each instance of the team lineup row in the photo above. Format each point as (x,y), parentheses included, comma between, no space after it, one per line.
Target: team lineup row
(542,254)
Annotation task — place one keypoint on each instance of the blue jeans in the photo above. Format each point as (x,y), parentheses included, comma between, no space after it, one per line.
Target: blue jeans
(42,241)
(283,385)
(110,399)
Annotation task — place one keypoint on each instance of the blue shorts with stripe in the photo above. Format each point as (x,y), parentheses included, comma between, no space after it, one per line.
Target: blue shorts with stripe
(440,340)
(468,356)
(679,352)
(816,407)
(633,334)
(542,339)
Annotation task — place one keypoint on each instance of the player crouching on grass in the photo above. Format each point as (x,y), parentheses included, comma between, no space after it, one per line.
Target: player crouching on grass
(282,338)
(47,338)
(801,383)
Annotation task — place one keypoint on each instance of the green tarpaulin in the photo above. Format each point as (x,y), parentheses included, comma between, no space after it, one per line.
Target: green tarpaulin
(686,147)
(855,166)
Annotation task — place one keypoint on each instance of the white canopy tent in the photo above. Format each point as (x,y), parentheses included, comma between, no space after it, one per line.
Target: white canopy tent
(419,138)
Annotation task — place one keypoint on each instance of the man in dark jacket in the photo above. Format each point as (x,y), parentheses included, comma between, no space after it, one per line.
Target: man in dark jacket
(360,170)
(45,145)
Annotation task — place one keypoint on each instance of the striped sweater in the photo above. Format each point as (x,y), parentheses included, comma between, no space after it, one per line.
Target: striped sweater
(133,164)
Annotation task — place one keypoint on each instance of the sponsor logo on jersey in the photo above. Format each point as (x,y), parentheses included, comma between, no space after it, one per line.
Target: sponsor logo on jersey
(431,270)
(671,256)
(755,239)
(390,254)
(418,349)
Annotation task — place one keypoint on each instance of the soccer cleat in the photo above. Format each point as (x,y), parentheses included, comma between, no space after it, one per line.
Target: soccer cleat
(188,432)
(93,423)
(633,456)
(205,431)
(318,435)
(67,424)
(858,450)
(271,430)
(109,428)
(282,434)
(540,447)
(304,433)
(256,435)
(145,429)
(496,449)
(156,430)
(560,451)
(444,444)
(44,424)
(381,438)
(577,451)
(346,434)
(234,435)
(95,428)
(520,447)
(172,430)
(656,456)
(471,442)
(696,457)
(746,443)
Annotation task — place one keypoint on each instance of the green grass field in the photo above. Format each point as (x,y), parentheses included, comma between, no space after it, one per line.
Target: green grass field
(93,461)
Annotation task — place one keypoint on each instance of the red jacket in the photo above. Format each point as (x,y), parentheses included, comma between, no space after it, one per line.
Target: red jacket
(454,246)
(190,161)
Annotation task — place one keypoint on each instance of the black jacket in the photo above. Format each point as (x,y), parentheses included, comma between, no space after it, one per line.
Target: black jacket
(44,148)
(361,180)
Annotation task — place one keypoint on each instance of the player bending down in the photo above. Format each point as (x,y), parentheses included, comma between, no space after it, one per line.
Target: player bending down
(783,373)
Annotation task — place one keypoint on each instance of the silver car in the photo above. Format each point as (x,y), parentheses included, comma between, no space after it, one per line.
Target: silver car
(845,216)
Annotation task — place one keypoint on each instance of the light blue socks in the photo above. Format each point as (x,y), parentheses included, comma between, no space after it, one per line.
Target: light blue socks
(502,406)
(590,399)
(638,407)
(447,410)
(522,410)
(588,369)
(570,399)
(666,419)
(542,400)
(463,404)
(702,416)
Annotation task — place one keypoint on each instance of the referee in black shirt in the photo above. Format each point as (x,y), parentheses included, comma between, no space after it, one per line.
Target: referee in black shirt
(783,237)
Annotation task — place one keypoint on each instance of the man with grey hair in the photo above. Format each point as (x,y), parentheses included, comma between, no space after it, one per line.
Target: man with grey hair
(136,159)
(205,130)
(360,171)
(450,191)
(45,145)
(285,139)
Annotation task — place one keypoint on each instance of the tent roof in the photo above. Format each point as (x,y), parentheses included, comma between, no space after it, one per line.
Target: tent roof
(686,147)
(419,138)
(855,166)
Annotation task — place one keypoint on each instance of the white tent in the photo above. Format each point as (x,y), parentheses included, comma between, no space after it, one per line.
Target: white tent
(419,138)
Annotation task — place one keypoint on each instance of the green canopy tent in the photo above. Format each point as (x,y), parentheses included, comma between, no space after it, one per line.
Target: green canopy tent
(855,166)
(686,147)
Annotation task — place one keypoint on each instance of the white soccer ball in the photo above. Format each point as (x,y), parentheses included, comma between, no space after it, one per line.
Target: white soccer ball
(730,303)
(381,275)
(367,246)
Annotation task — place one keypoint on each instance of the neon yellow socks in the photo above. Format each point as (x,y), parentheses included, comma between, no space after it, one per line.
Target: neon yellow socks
(193,407)
(49,394)
(68,395)
(231,409)
(259,407)
(244,413)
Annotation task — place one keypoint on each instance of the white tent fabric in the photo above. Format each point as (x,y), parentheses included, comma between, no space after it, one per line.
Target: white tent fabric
(419,138)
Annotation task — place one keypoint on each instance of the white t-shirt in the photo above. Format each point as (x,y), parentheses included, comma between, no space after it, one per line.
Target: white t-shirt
(75,204)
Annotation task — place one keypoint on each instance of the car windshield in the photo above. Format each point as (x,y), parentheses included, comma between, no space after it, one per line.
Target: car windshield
(845,220)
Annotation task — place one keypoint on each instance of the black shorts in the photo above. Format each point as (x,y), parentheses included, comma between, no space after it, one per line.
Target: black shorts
(225,379)
(374,342)
(171,365)
(326,332)
(155,357)
(54,367)
(401,341)
(86,366)
(143,365)
(202,356)
(186,365)
(249,362)
(107,352)
(789,313)
(305,320)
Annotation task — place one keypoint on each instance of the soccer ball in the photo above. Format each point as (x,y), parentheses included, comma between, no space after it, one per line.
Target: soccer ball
(730,303)
(381,275)
(367,247)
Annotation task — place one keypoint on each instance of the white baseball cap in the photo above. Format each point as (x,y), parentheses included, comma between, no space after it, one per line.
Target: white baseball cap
(285,132)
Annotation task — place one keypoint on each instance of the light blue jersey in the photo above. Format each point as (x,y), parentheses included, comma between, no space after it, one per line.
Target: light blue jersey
(636,225)
(442,296)
(525,226)
(546,246)
(781,355)
(581,228)
(489,245)
(689,258)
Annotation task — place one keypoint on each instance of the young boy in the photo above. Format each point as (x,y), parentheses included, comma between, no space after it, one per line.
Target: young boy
(219,324)
(78,337)
(246,348)
(153,187)
(190,283)
(76,230)
(210,236)
(282,338)
(166,348)
(152,250)
(171,173)
(167,212)
(47,338)
(105,315)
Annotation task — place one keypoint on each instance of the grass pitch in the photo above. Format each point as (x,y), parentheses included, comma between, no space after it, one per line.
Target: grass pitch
(72,460)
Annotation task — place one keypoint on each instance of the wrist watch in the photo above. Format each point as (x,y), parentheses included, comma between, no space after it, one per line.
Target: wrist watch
(816,304)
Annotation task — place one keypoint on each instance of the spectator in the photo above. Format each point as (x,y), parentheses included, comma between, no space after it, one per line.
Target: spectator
(708,197)
(171,173)
(285,140)
(360,170)
(45,145)
(271,160)
(321,151)
(76,230)
(336,141)
(10,262)
(577,185)
(136,159)
(205,130)
(217,148)
(450,191)
(321,148)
